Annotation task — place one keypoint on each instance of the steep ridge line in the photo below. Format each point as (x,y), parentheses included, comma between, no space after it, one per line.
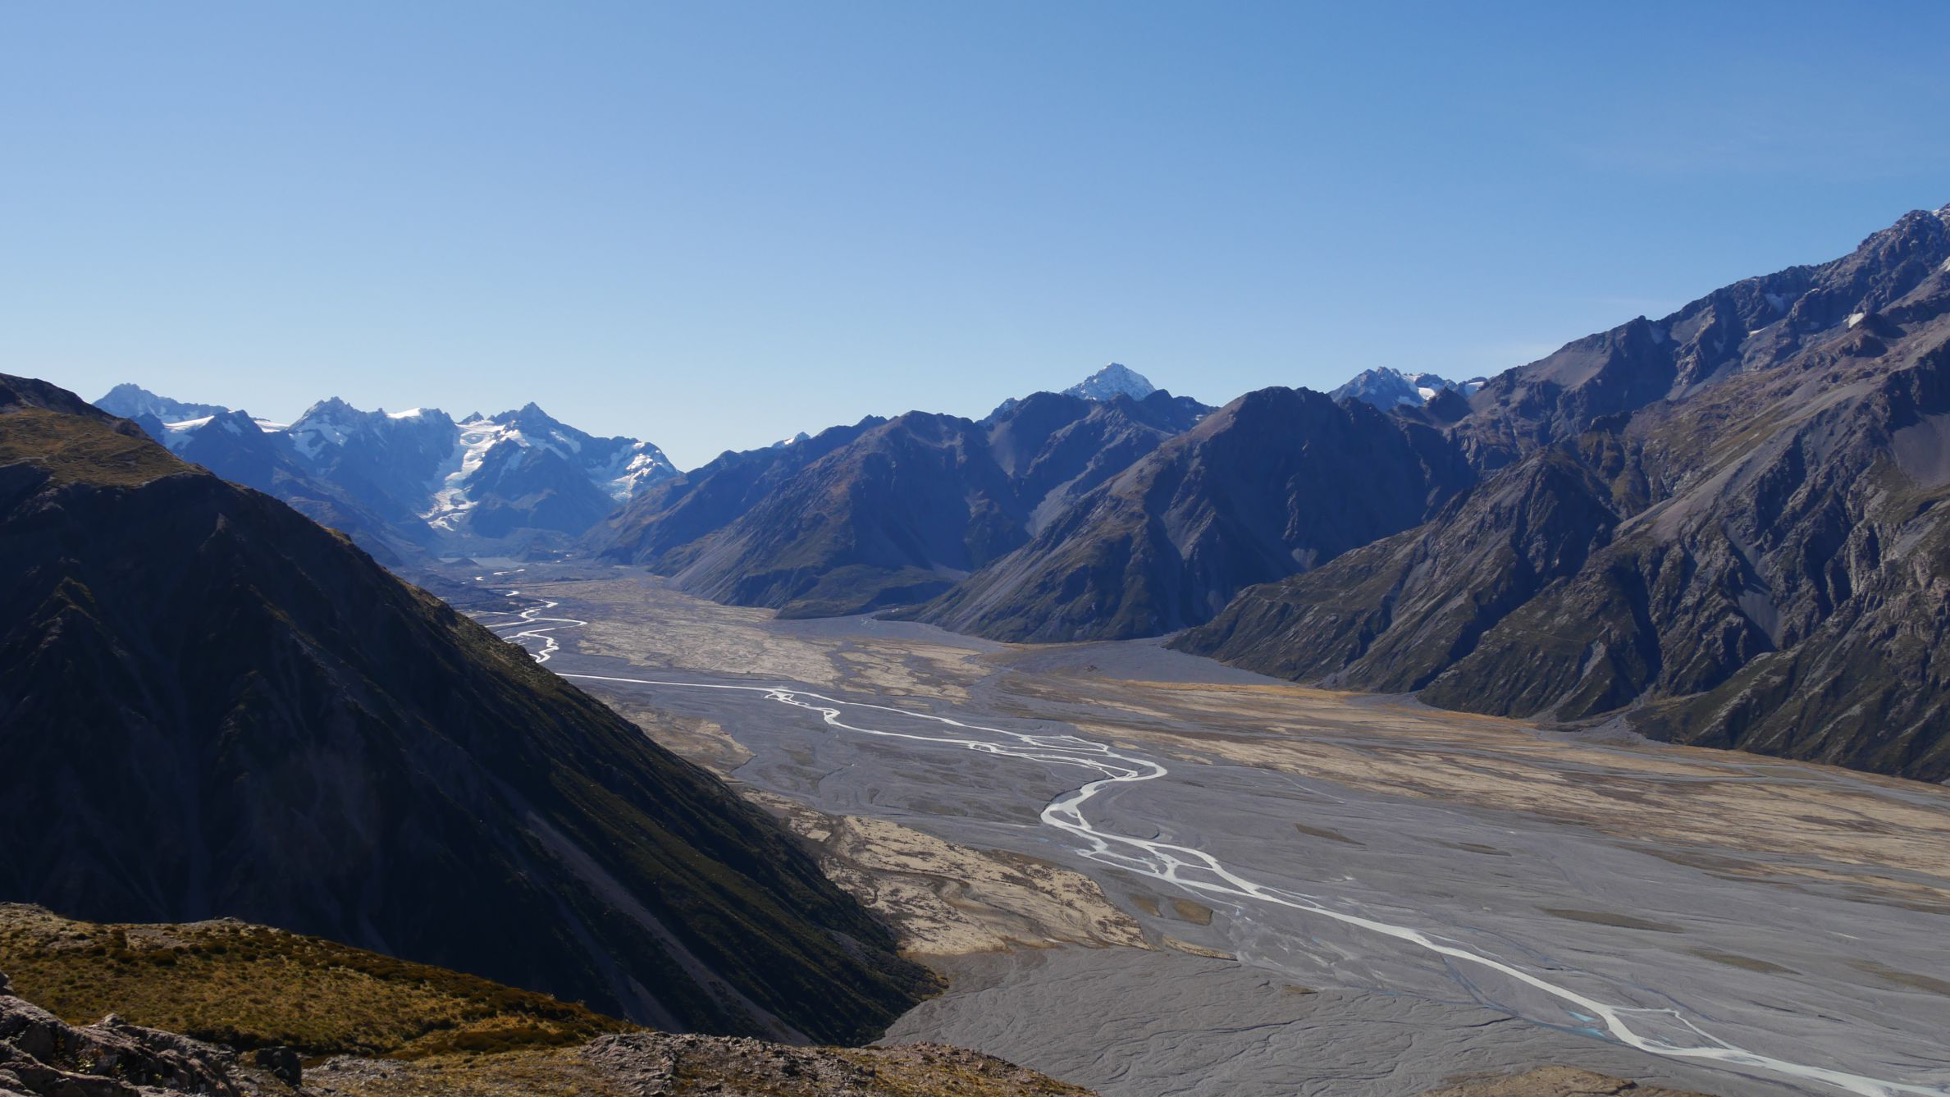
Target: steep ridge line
(1168,862)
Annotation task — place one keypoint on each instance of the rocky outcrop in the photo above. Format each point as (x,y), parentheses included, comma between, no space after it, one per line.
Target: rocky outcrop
(41,1055)
(219,708)
(1744,546)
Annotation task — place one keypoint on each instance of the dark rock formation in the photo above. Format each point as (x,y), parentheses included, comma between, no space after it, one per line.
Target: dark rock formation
(215,707)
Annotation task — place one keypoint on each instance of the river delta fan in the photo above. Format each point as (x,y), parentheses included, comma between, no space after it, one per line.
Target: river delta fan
(228,710)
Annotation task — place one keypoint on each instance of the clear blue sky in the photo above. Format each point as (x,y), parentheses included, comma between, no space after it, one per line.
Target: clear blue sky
(711,225)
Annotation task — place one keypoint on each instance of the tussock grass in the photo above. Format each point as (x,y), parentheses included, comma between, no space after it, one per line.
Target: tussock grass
(72,449)
(249,986)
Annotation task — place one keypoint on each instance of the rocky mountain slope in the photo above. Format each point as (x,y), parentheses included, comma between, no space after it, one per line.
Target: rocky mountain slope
(1731,524)
(225,709)
(414,479)
(1277,481)
(887,511)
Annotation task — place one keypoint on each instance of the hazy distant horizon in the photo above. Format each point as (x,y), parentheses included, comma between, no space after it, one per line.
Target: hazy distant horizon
(714,226)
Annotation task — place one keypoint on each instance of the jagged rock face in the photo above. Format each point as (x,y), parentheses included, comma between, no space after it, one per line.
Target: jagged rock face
(1278,481)
(1747,327)
(887,512)
(42,1055)
(1753,557)
(226,710)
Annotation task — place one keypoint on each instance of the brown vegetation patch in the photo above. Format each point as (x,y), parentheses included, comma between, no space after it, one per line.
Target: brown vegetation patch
(248,986)
(1921,982)
(1194,912)
(1759,966)
(1326,834)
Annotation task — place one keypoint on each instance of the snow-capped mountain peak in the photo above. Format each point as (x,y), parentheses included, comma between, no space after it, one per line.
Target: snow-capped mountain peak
(516,473)
(1109,381)
(495,454)
(1384,388)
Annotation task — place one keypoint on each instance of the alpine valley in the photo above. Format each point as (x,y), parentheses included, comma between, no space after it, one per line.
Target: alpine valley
(1582,729)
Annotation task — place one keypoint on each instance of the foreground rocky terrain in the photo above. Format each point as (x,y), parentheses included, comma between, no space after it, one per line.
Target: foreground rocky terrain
(229,1008)
(41,1055)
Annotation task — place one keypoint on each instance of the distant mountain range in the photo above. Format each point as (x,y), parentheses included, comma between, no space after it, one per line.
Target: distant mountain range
(515,481)
(1723,525)
(885,512)
(213,707)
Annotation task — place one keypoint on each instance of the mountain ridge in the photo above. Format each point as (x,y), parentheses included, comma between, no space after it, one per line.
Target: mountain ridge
(1734,539)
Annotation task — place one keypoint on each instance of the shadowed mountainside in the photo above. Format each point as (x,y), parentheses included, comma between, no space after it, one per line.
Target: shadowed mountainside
(888,511)
(1737,533)
(1276,481)
(224,709)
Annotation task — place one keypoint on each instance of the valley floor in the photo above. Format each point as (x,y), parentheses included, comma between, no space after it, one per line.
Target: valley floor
(1148,873)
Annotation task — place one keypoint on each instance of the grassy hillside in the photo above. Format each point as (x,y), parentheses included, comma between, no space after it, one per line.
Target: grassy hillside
(249,986)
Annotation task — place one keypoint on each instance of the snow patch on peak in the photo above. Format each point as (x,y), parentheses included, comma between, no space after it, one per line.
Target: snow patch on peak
(1385,388)
(1109,381)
